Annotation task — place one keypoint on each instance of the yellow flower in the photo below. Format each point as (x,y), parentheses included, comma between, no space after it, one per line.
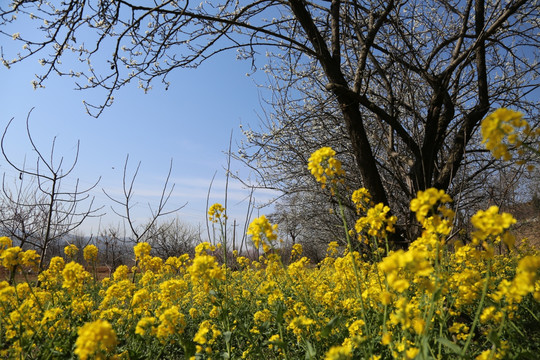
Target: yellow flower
(13,256)
(193,312)
(57,264)
(386,339)
(5,243)
(216,212)
(524,282)
(419,325)
(206,328)
(332,249)
(119,294)
(29,258)
(141,250)
(340,352)
(412,352)
(71,251)
(95,340)
(490,223)
(121,273)
(376,222)
(491,313)
(273,340)
(300,325)
(205,269)
(171,322)
(429,202)
(461,330)
(145,326)
(203,248)
(297,250)
(261,229)
(498,125)
(400,264)
(262,316)
(361,199)
(356,328)
(74,276)
(325,167)
(10,257)
(90,253)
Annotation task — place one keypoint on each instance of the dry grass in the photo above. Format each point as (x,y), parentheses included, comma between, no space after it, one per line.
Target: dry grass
(529,229)
(528,223)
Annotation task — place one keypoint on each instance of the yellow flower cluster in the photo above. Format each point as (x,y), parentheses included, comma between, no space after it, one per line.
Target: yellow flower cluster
(204,268)
(491,224)
(361,199)
(10,256)
(501,129)
(145,326)
(71,251)
(216,212)
(376,223)
(141,250)
(325,167)
(262,233)
(171,322)
(433,213)
(5,243)
(206,336)
(95,340)
(430,202)
(403,267)
(90,253)
(74,276)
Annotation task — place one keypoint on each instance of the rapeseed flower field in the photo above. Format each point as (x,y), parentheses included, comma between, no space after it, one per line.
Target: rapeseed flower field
(436,300)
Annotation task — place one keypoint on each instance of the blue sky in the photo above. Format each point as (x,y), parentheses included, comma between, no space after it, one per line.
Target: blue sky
(190,123)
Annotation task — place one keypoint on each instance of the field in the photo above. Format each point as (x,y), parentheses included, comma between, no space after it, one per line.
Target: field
(429,301)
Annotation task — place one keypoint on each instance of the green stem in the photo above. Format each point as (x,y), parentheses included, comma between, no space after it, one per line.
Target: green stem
(478,310)
(355,269)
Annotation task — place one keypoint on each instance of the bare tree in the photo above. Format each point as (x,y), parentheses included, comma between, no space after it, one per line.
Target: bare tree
(311,219)
(409,81)
(137,232)
(114,248)
(172,238)
(43,211)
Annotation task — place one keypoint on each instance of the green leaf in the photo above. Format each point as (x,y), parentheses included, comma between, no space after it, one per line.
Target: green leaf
(526,355)
(425,349)
(310,351)
(227,336)
(493,337)
(331,324)
(450,345)
(189,348)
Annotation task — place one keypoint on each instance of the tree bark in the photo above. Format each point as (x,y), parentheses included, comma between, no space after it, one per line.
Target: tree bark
(349,105)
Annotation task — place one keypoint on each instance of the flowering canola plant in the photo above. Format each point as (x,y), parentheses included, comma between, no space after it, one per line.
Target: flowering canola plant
(439,299)
(424,302)
(326,168)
